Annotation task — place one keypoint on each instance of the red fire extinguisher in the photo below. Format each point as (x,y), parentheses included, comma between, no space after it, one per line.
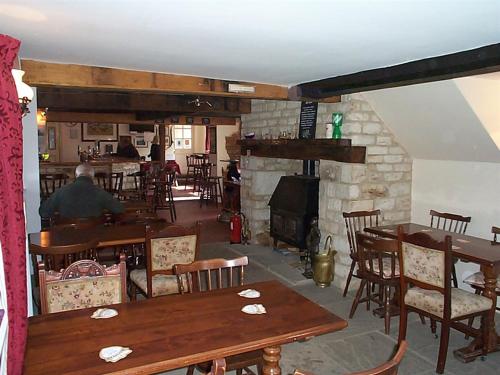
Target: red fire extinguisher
(235,227)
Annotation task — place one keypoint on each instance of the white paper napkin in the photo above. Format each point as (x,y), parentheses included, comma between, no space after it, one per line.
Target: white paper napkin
(114,353)
(255,309)
(249,293)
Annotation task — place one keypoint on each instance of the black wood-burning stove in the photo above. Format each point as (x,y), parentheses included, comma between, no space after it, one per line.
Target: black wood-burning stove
(293,204)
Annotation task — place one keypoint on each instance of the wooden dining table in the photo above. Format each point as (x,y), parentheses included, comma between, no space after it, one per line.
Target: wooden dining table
(170,332)
(137,206)
(470,249)
(45,242)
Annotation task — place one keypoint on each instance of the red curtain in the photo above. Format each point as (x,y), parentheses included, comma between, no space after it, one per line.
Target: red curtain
(12,225)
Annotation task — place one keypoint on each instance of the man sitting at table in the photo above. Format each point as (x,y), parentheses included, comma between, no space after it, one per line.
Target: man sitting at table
(80,199)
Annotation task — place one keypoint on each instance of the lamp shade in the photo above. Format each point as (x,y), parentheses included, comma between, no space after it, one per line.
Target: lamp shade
(23,90)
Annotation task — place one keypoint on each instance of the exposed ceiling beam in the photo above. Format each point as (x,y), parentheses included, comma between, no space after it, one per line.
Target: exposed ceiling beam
(129,118)
(199,120)
(476,61)
(45,74)
(71,100)
(118,118)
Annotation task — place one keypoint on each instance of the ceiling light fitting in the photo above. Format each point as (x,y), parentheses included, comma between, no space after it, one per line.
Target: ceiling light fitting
(197,102)
(24,92)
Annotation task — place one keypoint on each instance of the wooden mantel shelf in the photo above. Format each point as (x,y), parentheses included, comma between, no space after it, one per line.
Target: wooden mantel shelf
(304,149)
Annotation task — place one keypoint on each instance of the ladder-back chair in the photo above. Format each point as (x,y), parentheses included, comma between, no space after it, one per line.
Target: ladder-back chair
(206,275)
(357,221)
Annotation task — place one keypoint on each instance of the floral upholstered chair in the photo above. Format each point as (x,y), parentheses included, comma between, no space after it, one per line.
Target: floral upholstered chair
(82,284)
(425,267)
(172,245)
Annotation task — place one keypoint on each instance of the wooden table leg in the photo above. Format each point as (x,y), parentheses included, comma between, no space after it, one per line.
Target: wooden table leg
(474,349)
(272,360)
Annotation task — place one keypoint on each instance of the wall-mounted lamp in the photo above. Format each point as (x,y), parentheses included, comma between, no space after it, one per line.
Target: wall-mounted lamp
(24,92)
(41,117)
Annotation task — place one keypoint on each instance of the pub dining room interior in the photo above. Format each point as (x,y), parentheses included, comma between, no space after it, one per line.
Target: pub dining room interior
(264,187)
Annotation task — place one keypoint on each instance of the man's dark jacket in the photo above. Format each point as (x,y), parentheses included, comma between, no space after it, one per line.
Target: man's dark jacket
(80,199)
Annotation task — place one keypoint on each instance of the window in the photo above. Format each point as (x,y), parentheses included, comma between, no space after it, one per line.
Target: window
(182,136)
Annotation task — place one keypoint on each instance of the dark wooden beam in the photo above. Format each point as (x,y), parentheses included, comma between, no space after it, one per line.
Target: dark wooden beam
(305,149)
(117,118)
(67,100)
(198,120)
(466,63)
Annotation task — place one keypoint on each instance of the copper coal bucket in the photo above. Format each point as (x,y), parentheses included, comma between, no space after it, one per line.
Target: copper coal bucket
(323,265)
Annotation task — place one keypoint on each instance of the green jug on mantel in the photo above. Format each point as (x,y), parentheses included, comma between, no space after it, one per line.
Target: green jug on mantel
(337,124)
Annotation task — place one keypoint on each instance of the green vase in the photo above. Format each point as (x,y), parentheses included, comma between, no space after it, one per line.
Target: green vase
(337,118)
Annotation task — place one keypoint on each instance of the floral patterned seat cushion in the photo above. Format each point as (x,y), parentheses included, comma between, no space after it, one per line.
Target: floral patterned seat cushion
(165,252)
(386,268)
(477,279)
(162,284)
(432,301)
(81,293)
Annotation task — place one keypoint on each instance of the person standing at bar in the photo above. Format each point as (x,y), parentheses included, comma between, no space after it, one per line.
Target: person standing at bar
(154,152)
(126,149)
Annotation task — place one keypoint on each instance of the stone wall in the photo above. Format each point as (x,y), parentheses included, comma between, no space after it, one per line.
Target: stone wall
(384,182)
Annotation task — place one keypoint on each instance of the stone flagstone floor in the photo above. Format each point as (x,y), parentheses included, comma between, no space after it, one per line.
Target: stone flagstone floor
(363,344)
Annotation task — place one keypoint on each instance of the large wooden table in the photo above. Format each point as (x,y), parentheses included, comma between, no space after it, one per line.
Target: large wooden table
(175,331)
(114,235)
(472,249)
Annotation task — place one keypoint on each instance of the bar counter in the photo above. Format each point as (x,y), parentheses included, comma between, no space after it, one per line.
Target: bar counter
(127,166)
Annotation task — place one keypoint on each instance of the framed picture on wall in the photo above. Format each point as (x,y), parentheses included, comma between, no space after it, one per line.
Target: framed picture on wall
(94,131)
(140,142)
(52,138)
(106,147)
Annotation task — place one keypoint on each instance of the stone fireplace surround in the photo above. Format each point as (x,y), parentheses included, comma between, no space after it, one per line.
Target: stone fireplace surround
(384,182)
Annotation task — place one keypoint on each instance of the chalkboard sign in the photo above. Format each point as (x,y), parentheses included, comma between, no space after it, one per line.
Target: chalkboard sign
(307,124)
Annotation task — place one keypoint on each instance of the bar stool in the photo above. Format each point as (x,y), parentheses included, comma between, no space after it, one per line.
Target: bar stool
(210,186)
(190,173)
(163,194)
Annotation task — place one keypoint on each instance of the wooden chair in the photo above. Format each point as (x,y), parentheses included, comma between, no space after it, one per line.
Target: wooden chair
(111,182)
(63,256)
(50,182)
(82,284)
(476,280)
(213,274)
(388,368)
(378,264)
(426,264)
(451,223)
(357,221)
(172,245)
(139,190)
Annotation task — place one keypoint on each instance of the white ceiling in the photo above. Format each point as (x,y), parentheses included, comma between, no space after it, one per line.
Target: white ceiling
(272,41)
